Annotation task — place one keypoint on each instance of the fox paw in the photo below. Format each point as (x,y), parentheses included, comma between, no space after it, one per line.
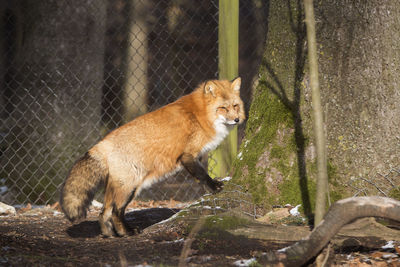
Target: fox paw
(215,185)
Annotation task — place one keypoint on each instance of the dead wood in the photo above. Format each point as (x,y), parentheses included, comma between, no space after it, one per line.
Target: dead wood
(340,214)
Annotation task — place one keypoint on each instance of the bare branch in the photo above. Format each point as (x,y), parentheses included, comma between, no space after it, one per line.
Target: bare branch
(340,214)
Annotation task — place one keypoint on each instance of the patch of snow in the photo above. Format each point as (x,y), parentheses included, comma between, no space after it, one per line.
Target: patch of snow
(19,206)
(295,211)
(175,241)
(388,245)
(170,218)
(283,250)
(244,263)
(7,209)
(56,213)
(246,143)
(97,204)
(132,209)
(389,256)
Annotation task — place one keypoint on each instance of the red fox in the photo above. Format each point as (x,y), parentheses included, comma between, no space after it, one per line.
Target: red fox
(151,147)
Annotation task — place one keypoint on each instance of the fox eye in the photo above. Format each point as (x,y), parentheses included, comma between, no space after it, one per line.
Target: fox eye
(223,108)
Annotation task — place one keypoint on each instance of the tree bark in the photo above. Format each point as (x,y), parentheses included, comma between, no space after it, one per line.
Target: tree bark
(340,214)
(271,163)
(359,59)
(357,45)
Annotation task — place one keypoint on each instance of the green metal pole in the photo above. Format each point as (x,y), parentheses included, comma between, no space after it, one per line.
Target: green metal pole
(228,65)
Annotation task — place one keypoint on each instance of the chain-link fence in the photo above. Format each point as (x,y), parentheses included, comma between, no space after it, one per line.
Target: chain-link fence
(71,71)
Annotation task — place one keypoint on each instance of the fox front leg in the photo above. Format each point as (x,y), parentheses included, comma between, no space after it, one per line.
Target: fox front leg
(194,167)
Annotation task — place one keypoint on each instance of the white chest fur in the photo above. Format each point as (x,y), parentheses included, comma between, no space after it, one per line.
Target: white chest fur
(221,131)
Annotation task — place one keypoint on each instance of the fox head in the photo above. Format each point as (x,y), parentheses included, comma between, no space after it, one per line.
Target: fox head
(224,103)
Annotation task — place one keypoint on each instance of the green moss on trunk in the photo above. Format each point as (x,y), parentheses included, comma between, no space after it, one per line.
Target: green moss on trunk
(276,162)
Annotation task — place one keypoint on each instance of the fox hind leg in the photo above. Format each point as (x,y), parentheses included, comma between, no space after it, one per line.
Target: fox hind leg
(118,212)
(105,216)
(112,218)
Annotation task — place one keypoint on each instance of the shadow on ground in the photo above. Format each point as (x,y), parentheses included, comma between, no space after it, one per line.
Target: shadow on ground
(46,238)
(135,220)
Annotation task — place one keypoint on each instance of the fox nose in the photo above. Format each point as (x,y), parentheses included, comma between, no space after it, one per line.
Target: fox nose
(237,120)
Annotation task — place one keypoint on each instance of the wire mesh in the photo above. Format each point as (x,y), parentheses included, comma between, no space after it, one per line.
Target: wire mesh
(71,71)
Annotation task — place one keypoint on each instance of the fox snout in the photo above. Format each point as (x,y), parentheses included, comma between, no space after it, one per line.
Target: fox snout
(229,121)
(233,122)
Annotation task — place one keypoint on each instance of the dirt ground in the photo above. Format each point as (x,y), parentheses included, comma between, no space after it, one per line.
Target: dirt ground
(43,237)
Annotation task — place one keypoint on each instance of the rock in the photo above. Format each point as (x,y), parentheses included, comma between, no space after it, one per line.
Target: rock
(6,209)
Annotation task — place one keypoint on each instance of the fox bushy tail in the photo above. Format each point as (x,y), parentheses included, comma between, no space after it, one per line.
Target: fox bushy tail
(78,190)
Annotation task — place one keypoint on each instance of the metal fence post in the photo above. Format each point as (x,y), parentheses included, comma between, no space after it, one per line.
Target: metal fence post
(228,65)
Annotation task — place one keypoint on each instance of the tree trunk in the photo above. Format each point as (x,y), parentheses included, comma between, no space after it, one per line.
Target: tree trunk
(135,92)
(358,76)
(360,62)
(59,75)
(320,143)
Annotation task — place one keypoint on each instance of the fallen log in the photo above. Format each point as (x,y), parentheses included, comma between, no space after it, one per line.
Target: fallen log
(341,213)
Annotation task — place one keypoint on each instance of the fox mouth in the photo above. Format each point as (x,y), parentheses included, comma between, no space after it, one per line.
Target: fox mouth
(233,122)
(225,121)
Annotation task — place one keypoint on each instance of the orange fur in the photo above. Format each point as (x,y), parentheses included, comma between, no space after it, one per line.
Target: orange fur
(152,146)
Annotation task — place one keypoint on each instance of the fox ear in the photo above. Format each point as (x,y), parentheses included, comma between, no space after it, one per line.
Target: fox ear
(209,88)
(236,84)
